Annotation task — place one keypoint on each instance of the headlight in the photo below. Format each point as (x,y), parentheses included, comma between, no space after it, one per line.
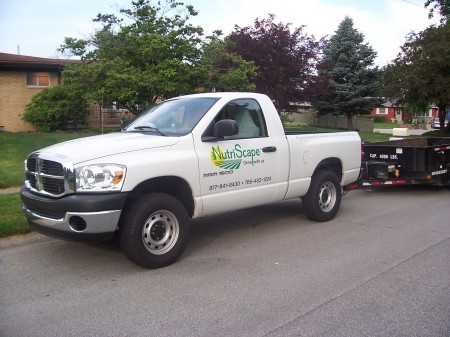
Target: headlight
(100,178)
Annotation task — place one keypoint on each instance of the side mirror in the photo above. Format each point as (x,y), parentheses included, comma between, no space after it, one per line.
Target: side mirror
(221,129)
(226,127)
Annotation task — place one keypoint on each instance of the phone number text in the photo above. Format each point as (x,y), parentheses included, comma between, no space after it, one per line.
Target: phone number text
(245,182)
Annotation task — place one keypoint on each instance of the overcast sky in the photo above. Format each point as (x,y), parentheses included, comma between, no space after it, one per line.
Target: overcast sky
(38,27)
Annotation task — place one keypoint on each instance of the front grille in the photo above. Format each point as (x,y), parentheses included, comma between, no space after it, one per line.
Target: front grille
(51,168)
(31,177)
(49,177)
(53,185)
(31,164)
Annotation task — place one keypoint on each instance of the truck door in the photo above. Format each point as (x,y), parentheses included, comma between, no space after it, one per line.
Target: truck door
(241,170)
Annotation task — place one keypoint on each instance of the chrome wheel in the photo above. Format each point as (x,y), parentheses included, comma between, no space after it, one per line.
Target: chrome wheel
(327,196)
(160,232)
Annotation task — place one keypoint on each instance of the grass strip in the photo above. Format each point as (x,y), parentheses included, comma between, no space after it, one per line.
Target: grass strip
(12,220)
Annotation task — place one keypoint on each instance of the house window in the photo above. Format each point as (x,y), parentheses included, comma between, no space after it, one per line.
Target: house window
(37,79)
(381,111)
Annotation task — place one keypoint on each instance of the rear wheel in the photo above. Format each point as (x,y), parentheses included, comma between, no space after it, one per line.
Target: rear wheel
(323,199)
(154,230)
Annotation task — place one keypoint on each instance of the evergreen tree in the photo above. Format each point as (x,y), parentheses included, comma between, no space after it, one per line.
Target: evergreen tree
(347,81)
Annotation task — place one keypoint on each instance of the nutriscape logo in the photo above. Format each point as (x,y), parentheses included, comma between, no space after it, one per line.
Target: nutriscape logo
(232,159)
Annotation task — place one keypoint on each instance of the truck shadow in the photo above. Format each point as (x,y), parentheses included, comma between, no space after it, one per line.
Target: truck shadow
(246,223)
(208,230)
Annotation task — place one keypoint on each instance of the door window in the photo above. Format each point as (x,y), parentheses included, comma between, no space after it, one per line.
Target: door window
(249,117)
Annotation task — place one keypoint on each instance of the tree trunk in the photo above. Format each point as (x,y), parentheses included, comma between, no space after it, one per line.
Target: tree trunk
(349,122)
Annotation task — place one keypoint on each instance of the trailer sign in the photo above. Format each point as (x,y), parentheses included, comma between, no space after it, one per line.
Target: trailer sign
(383,156)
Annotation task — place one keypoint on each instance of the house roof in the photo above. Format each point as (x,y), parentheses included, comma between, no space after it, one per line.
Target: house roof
(23,62)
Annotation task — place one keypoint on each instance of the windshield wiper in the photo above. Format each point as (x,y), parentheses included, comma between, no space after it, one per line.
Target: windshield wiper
(149,128)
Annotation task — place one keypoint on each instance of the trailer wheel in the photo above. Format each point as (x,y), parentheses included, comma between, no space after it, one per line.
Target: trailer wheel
(323,199)
(154,230)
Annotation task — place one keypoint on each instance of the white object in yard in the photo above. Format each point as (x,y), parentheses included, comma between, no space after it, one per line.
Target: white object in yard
(401,132)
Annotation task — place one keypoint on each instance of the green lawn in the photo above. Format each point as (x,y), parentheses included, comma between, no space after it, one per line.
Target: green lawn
(374,137)
(15,147)
(385,125)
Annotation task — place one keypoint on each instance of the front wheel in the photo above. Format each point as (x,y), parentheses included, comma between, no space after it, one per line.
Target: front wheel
(154,230)
(323,199)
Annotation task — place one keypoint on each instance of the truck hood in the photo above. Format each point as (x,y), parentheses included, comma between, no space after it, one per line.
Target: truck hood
(89,148)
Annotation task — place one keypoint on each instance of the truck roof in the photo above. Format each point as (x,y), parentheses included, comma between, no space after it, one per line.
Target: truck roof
(226,95)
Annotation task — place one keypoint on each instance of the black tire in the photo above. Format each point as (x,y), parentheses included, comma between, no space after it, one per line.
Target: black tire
(154,230)
(323,199)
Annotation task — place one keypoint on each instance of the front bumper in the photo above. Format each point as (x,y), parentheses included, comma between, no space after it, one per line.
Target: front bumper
(81,217)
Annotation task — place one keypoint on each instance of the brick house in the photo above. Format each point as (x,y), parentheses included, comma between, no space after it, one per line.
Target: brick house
(392,112)
(21,77)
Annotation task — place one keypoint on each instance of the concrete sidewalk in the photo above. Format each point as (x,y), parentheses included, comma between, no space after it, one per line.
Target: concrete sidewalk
(10,190)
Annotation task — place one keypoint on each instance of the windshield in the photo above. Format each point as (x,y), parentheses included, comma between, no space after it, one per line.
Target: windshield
(175,117)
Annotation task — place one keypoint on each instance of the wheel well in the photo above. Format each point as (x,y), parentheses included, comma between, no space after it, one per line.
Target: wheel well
(174,186)
(331,164)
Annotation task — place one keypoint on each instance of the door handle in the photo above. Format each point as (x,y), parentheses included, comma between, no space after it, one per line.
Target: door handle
(269,149)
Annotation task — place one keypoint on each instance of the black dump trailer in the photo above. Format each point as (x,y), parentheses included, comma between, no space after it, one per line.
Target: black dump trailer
(405,162)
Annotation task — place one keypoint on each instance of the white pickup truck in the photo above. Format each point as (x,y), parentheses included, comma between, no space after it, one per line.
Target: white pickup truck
(185,158)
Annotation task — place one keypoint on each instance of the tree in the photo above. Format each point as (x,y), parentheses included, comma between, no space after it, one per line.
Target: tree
(56,108)
(421,72)
(286,60)
(347,81)
(149,54)
(225,71)
(443,6)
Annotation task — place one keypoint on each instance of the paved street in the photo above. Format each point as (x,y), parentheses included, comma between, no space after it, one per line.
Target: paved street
(381,268)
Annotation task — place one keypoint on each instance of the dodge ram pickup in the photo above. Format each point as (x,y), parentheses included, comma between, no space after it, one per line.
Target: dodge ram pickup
(186,157)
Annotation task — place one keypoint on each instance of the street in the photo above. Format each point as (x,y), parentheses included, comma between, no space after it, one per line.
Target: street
(380,268)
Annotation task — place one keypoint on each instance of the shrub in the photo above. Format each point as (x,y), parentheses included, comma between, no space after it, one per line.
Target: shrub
(379,119)
(56,108)
(376,119)
(407,120)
